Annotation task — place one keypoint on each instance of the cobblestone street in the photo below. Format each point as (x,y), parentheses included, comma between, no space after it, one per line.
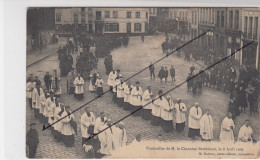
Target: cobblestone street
(141,54)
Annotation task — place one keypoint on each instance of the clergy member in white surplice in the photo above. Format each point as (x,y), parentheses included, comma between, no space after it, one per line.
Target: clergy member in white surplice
(37,93)
(167,114)
(120,92)
(87,125)
(147,99)
(180,118)
(50,105)
(100,121)
(79,87)
(194,121)
(136,99)
(30,85)
(106,138)
(245,133)
(206,126)
(119,136)
(227,129)
(111,79)
(156,110)
(127,95)
(57,116)
(67,129)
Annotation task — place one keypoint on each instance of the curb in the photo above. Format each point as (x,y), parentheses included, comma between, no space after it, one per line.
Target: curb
(28,65)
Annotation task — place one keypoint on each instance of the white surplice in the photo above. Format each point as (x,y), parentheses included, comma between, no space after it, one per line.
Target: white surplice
(66,128)
(180,110)
(146,98)
(111,78)
(194,117)
(99,123)
(245,134)
(86,121)
(157,107)
(79,85)
(119,138)
(120,90)
(167,110)
(106,139)
(37,97)
(29,89)
(127,93)
(226,133)
(136,99)
(206,127)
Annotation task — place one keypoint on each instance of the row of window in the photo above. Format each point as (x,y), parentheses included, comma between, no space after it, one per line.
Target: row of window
(233,21)
(180,15)
(194,18)
(207,15)
(220,19)
(114,27)
(128,14)
(250,27)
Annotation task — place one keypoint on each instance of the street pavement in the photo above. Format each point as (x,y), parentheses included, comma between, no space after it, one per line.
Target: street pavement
(130,60)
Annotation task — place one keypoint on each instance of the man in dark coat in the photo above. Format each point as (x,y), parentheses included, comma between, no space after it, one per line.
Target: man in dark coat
(166,74)
(172,72)
(192,68)
(32,140)
(161,74)
(108,64)
(189,82)
(232,107)
(47,81)
(151,69)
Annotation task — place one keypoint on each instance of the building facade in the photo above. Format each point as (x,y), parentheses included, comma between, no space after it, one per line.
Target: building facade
(73,20)
(233,32)
(206,22)
(250,32)
(153,20)
(179,21)
(121,20)
(193,19)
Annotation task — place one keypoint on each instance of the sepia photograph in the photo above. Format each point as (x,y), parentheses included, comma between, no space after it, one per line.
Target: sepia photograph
(149,82)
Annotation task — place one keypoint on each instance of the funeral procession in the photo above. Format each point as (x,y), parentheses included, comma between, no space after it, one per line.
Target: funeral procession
(101,79)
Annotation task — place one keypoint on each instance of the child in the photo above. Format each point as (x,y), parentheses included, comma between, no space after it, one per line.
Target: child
(99,85)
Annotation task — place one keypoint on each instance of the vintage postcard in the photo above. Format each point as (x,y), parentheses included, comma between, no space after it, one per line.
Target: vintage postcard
(142,82)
